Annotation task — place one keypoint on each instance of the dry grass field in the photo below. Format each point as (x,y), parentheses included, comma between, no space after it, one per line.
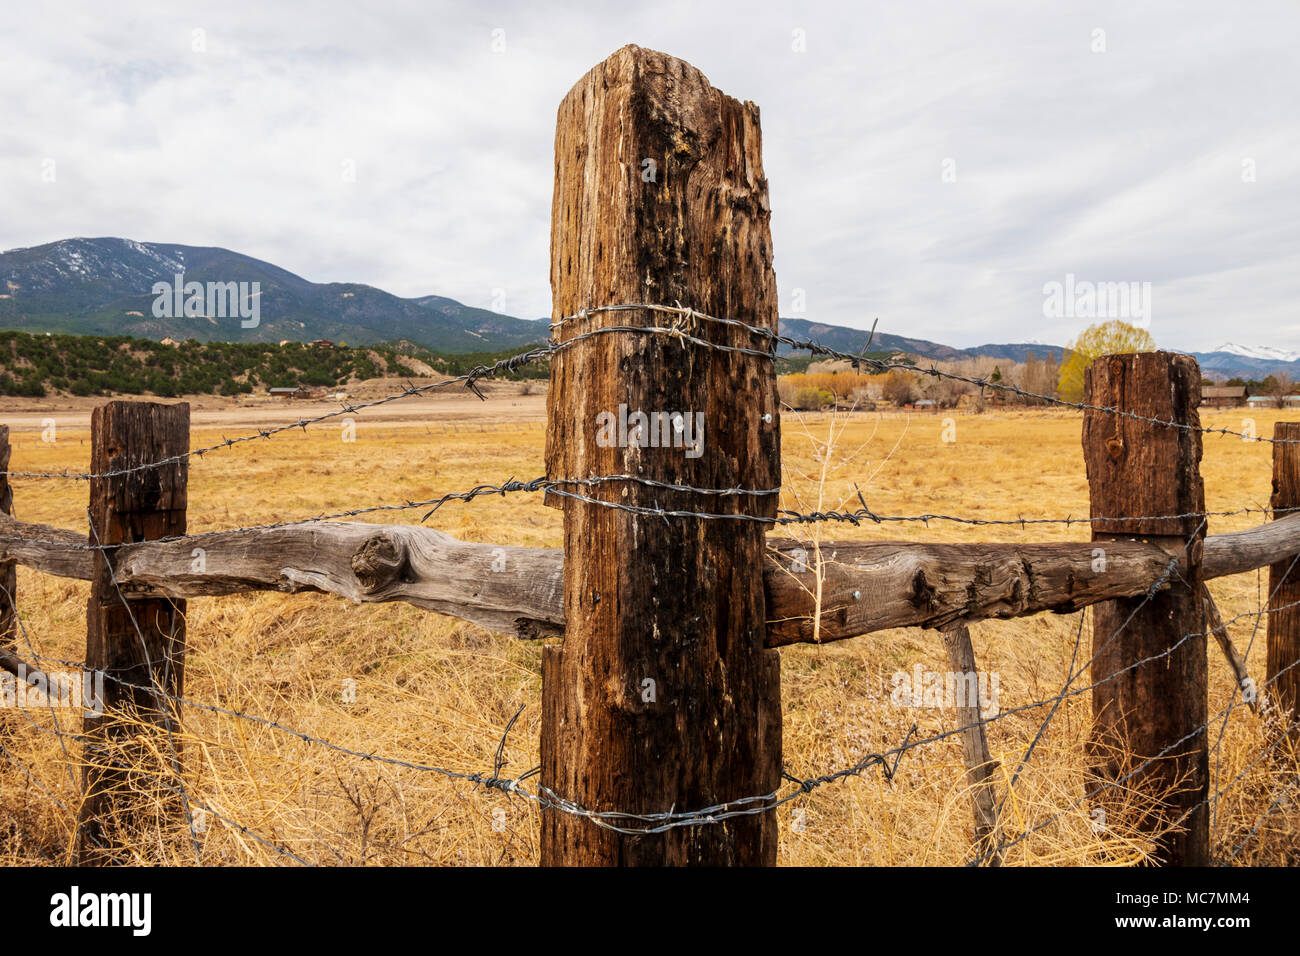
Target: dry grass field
(432,690)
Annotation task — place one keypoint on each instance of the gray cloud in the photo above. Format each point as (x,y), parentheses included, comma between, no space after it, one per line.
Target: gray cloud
(1117,166)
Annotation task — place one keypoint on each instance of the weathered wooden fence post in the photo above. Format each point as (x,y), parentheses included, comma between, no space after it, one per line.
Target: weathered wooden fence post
(1138,470)
(8,569)
(662,696)
(1283,687)
(980,765)
(139,642)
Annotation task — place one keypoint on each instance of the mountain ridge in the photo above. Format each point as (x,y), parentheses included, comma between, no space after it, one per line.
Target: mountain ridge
(103,286)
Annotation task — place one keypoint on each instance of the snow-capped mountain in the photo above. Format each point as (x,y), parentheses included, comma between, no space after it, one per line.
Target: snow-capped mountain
(104,286)
(1234,361)
(1263,352)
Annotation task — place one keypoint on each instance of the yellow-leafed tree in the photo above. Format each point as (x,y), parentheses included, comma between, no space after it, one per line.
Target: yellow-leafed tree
(1107,338)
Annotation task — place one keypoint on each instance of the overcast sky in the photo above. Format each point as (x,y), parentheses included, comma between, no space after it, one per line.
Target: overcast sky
(933,164)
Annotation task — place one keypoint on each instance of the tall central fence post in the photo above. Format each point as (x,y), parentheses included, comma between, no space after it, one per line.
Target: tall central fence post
(662,697)
(1149,663)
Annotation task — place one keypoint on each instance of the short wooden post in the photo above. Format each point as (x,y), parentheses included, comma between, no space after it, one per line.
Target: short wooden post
(662,697)
(980,765)
(1283,677)
(124,508)
(8,569)
(1154,711)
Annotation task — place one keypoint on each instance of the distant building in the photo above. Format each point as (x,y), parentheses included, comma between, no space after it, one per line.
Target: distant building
(1270,401)
(322,343)
(297,391)
(1222,396)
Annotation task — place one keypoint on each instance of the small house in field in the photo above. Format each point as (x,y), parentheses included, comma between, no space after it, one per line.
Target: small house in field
(297,391)
(1271,401)
(1222,396)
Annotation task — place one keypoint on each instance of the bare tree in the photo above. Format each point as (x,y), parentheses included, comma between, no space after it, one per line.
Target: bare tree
(1281,386)
(900,388)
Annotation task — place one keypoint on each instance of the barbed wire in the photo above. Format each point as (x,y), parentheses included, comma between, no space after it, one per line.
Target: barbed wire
(1226,713)
(858,361)
(58,731)
(1232,702)
(468,379)
(675,332)
(155,682)
(1111,784)
(1277,803)
(1071,676)
(663,821)
(659,822)
(857,517)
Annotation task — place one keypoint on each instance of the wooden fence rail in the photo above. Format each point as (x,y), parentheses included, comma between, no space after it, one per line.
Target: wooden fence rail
(518,591)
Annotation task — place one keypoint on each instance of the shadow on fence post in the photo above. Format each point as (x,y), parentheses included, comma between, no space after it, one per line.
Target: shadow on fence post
(662,696)
(139,642)
(1136,470)
(1284,589)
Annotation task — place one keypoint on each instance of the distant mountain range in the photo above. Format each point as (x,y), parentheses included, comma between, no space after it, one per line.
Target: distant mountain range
(1236,361)
(1263,353)
(844,339)
(1227,361)
(105,287)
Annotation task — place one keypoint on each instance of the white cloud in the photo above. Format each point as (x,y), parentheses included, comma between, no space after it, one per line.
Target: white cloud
(1123,165)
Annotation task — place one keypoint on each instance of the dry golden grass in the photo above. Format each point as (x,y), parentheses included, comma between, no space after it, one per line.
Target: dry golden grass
(435,691)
